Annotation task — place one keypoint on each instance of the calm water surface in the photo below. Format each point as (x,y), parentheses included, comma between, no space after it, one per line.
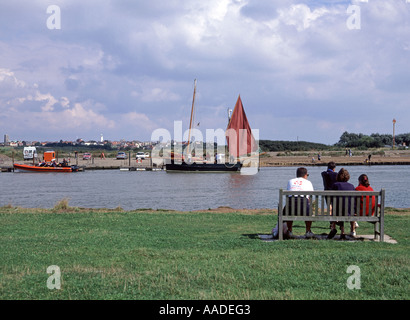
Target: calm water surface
(179,191)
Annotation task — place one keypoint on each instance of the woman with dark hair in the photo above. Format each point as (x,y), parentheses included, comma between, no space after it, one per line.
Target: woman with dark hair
(364,185)
(342,184)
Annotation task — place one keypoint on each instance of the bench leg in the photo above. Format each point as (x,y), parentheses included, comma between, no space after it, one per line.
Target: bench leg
(376,231)
(280,227)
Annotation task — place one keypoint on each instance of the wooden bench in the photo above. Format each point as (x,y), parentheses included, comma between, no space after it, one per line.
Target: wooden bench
(332,206)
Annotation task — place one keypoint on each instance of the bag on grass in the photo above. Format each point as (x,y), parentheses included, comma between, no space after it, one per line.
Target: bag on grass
(275,231)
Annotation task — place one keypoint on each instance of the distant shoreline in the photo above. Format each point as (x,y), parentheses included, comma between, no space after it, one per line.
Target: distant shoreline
(270,159)
(337,161)
(311,159)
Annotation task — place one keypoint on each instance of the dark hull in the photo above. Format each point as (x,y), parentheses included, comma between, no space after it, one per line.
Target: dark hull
(203,167)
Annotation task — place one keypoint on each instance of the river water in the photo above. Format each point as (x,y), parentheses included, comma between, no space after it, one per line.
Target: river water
(180,191)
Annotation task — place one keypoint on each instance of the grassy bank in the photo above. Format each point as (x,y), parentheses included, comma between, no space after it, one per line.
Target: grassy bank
(208,255)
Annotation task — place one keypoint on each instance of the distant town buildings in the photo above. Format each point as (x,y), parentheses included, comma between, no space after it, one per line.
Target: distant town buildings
(6,140)
(122,144)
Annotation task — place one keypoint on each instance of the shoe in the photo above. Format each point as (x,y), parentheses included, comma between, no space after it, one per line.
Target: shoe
(332,233)
(309,234)
(343,237)
(352,234)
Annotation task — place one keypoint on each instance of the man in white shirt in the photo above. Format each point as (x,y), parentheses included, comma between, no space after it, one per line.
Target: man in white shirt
(300,183)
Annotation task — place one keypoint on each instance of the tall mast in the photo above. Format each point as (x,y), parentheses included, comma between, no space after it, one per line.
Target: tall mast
(190,122)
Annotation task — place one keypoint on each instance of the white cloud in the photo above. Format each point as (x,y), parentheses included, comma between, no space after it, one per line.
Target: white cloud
(119,60)
(138,121)
(155,94)
(300,16)
(65,103)
(49,100)
(78,116)
(45,117)
(8,76)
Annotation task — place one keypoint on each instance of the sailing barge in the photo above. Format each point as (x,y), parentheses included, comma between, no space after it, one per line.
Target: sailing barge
(239,138)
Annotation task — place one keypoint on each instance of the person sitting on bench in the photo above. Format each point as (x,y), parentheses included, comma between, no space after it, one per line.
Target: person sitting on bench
(342,184)
(300,183)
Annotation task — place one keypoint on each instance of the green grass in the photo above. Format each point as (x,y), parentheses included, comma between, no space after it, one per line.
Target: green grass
(169,255)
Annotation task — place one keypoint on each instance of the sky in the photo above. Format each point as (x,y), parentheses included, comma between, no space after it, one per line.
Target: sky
(305,70)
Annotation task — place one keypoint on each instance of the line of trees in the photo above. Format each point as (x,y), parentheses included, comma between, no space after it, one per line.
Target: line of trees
(276,146)
(347,140)
(375,140)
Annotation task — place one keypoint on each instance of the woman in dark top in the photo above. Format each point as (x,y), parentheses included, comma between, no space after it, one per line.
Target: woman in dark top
(342,184)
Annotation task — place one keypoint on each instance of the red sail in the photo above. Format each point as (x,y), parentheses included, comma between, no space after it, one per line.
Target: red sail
(238,133)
